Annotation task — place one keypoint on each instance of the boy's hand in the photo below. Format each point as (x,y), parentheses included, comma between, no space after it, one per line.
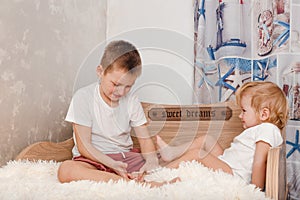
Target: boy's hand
(138,176)
(149,166)
(120,168)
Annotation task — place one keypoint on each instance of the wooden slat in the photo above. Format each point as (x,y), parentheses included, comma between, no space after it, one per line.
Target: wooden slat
(48,151)
(276,180)
(272,173)
(282,179)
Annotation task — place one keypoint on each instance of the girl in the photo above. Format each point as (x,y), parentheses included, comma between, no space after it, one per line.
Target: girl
(264,114)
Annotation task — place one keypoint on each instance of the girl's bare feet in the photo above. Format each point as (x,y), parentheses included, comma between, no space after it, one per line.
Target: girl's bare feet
(158,184)
(167,152)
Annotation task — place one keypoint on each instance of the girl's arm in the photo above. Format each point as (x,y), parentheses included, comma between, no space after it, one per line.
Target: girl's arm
(260,163)
(83,135)
(147,147)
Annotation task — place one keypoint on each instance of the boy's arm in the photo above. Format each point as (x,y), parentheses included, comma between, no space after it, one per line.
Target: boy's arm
(83,140)
(147,147)
(260,163)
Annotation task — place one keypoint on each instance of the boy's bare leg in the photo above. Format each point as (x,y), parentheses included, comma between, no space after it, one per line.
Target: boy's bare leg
(75,170)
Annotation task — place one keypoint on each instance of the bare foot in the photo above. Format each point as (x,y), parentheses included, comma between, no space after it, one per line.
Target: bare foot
(167,153)
(158,184)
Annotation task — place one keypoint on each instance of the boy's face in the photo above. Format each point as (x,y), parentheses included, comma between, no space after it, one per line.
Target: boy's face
(115,84)
(248,115)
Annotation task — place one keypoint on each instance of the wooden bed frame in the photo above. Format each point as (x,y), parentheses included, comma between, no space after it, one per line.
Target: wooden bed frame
(177,124)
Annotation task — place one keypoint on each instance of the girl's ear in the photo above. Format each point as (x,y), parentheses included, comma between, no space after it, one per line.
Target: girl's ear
(264,114)
(100,71)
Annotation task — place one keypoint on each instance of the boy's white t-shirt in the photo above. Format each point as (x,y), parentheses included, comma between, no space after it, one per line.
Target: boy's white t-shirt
(110,126)
(240,155)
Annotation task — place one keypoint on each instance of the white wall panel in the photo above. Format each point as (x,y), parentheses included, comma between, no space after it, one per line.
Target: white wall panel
(163,33)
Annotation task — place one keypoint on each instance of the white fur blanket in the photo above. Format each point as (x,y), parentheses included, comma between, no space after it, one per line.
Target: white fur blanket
(37,180)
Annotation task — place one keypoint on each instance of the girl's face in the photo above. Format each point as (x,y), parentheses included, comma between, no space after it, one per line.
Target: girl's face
(248,115)
(114,84)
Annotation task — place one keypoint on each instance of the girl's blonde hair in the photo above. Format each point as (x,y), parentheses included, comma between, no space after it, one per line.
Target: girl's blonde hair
(266,95)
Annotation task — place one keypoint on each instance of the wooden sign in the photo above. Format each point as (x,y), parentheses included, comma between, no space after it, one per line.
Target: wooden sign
(189,113)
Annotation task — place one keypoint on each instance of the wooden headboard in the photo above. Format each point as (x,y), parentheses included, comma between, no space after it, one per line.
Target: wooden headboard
(177,124)
(174,123)
(182,123)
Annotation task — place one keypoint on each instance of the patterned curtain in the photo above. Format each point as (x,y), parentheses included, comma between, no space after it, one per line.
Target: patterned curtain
(250,40)
(243,40)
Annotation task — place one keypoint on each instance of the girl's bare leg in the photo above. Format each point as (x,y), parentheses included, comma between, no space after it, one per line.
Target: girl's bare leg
(211,161)
(212,146)
(188,156)
(207,159)
(169,153)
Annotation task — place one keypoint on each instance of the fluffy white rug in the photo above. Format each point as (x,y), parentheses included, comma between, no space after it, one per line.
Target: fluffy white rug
(37,180)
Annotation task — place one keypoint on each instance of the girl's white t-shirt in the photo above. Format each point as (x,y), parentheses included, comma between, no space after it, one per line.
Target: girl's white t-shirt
(110,126)
(240,155)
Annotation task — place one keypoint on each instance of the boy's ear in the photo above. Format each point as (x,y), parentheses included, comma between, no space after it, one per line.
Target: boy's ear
(100,70)
(264,114)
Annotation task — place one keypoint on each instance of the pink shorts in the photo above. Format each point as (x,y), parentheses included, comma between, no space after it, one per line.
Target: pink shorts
(133,158)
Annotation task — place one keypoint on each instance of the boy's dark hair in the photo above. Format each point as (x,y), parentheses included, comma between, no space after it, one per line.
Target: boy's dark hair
(122,55)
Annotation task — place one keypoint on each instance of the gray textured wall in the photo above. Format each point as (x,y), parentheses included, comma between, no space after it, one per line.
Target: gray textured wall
(42,46)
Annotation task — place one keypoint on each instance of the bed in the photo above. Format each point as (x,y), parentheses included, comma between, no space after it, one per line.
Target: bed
(36,166)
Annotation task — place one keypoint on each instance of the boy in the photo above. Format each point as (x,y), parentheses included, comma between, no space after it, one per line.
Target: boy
(102,115)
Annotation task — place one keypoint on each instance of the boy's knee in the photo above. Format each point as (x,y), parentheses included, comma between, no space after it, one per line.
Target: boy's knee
(64,173)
